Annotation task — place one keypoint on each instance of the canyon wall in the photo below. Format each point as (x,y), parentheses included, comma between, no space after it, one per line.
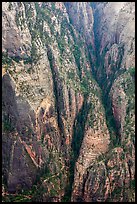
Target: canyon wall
(65,68)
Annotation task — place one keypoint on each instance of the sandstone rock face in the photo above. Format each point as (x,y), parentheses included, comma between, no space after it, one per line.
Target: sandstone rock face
(110,179)
(114,40)
(81,16)
(46,84)
(95,141)
(17,40)
(115,52)
(115,37)
(54,121)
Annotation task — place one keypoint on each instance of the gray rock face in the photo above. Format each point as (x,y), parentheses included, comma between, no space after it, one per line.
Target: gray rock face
(115,35)
(81,16)
(17,40)
(54,120)
(17,165)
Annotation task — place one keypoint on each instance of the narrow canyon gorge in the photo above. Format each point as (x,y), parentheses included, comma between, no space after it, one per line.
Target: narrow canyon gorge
(68,101)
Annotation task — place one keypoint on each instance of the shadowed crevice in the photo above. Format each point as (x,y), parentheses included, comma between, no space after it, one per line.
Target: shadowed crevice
(77,138)
(59,98)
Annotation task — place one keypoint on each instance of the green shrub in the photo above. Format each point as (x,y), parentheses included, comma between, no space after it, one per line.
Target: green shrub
(71,75)
(42,138)
(6,59)
(28,60)
(133,183)
(7,126)
(10,6)
(131,70)
(77,54)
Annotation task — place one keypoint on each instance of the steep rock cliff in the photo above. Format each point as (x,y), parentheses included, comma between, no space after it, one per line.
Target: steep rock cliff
(50,76)
(114,48)
(54,120)
(115,53)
